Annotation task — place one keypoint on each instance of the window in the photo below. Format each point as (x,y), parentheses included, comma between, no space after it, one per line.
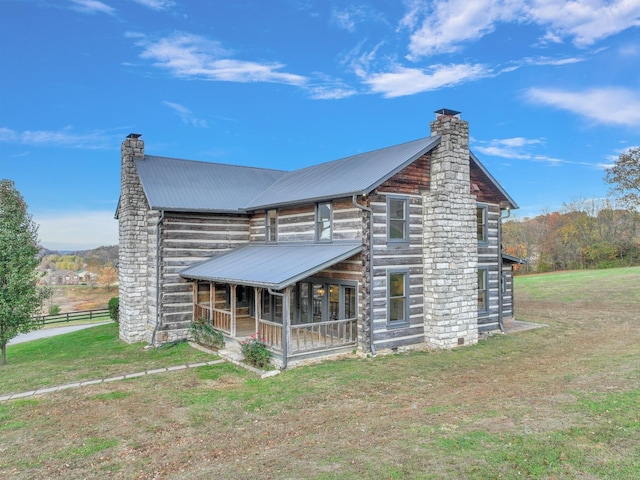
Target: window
(271,307)
(481,218)
(321,301)
(483,291)
(398,303)
(397,219)
(324,217)
(271,226)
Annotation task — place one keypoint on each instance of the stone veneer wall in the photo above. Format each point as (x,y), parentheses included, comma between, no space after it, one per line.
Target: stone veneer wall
(133,233)
(450,241)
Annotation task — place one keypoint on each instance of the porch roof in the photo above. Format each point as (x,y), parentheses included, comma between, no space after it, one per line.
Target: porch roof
(274,266)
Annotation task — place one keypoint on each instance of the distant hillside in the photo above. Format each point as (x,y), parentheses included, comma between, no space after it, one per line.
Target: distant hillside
(92,260)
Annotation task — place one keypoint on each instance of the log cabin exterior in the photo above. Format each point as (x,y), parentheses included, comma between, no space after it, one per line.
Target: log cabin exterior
(393,249)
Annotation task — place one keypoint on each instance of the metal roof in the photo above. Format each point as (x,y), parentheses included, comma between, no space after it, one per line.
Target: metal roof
(186,185)
(357,174)
(512,259)
(273,266)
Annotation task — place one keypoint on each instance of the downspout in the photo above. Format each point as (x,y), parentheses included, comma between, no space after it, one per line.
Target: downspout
(368,209)
(155,329)
(500,277)
(285,352)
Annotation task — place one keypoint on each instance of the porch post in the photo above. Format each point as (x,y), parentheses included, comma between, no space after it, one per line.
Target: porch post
(232,291)
(257,300)
(195,300)
(212,299)
(286,324)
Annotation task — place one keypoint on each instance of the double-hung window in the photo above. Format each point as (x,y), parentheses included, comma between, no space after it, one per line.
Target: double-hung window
(271,226)
(324,221)
(481,220)
(483,290)
(397,219)
(398,297)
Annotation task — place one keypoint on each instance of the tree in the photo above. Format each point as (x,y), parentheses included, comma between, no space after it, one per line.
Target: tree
(624,175)
(20,297)
(107,276)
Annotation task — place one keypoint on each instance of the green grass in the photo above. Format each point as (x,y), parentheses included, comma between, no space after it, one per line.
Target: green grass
(87,354)
(576,285)
(559,402)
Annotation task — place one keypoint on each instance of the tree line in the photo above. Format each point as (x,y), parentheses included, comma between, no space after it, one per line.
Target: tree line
(594,233)
(590,233)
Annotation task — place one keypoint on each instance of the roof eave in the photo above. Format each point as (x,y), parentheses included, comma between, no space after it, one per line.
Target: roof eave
(512,204)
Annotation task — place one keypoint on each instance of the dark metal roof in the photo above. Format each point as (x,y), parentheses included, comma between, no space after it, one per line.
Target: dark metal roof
(357,174)
(271,265)
(511,259)
(185,185)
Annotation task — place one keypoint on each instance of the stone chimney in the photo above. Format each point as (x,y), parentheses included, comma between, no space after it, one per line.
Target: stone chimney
(450,239)
(132,257)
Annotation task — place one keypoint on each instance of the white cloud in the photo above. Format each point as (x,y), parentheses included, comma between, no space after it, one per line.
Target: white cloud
(185,114)
(444,26)
(94,140)
(192,56)
(585,21)
(615,106)
(349,17)
(408,81)
(521,148)
(156,4)
(92,6)
(77,230)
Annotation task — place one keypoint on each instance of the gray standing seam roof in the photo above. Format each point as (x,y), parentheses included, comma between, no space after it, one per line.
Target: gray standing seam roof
(273,266)
(354,175)
(185,185)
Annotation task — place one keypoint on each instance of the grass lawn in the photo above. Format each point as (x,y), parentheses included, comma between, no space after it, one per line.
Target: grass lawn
(559,402)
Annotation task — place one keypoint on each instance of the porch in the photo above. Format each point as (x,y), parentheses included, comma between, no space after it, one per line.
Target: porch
(296,297)
(286,338)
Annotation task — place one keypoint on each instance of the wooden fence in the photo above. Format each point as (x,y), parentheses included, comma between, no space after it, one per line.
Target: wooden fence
(82,316)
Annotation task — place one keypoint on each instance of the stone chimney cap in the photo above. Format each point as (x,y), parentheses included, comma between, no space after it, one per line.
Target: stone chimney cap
(134,135)
(447,113)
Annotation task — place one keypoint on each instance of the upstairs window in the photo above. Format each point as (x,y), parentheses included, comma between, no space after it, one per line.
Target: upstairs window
(481,219)
(271,226)
(324,220)
(397,219)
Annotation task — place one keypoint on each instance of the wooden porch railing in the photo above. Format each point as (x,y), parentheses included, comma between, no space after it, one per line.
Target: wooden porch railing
(308,337)
(322,335)
(220,319)
(271,334)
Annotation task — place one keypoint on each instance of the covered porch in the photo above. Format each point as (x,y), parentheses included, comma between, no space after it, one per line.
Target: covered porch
(280,292)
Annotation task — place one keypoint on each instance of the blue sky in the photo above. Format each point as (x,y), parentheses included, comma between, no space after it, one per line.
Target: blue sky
(551,91)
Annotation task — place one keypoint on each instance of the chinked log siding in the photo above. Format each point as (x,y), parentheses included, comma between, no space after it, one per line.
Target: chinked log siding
(489,258)
(398,257)
(187,239)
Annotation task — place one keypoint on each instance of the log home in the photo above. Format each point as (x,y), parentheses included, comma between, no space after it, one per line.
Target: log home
(388,250)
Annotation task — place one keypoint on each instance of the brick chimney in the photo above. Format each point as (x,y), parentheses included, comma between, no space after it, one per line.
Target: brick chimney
(132,258)
(450,239)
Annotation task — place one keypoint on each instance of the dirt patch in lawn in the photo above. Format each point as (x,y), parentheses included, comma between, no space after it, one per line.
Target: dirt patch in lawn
(75,298)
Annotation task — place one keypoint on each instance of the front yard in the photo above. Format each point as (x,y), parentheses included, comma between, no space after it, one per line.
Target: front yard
(556,402)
